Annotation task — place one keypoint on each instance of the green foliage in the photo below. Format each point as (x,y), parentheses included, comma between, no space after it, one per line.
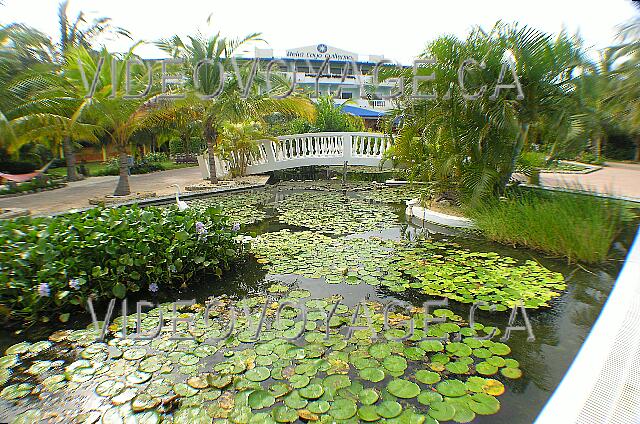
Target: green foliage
(329,118)
(52,265)
(240,143)
(194,145)
(35,184)
(579,227)
(472,144)
(156,157)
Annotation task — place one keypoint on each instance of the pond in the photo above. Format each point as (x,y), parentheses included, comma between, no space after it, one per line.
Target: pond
(317,243)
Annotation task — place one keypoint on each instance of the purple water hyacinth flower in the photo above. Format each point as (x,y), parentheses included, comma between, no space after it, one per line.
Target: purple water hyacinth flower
(74,283)
(236,227)
(153,287)
(44,290)
(200,229)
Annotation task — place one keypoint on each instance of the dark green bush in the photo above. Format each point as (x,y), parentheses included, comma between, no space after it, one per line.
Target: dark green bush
(52,265)
(17,167)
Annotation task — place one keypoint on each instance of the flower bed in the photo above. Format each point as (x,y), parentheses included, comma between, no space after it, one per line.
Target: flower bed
(50,266)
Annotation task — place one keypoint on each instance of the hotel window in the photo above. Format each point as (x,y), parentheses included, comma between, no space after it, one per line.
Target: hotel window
(346,95)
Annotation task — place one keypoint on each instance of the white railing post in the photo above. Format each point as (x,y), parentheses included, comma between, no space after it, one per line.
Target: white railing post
(346,146)
(270,147)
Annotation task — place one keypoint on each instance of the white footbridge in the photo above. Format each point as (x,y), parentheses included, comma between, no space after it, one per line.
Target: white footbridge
(603,383)
(293,151)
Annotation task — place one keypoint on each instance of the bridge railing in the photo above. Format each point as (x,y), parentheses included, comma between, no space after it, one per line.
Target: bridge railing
(327,148)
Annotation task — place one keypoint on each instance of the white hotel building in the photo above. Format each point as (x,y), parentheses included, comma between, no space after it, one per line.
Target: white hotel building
(356,89)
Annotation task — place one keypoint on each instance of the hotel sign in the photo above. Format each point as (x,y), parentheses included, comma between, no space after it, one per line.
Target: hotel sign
(320,52)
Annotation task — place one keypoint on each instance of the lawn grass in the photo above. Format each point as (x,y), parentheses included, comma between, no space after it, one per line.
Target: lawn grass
(98,168)
(578,227)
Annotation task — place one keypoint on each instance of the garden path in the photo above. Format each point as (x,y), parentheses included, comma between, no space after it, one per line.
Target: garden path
(75,195)
(616,178)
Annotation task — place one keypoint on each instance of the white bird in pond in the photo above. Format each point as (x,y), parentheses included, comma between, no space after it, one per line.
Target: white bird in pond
(182,205)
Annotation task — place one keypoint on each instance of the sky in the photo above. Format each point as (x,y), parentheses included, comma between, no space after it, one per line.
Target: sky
(397,30)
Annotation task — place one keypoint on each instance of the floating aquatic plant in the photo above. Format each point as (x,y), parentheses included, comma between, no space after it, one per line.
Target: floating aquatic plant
(317,377)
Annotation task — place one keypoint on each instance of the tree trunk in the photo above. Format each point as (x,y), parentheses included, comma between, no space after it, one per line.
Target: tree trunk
(70,158)
(517,149)
(598,147)
(211,135)
(123,189)
(637,156)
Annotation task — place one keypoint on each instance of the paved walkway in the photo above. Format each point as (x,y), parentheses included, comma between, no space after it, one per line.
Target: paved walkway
(77,194)
(618,179)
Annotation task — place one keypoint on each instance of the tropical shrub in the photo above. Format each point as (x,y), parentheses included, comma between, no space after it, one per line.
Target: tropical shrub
(329,118)
(156,157)
(52,265)
(578,227)
(29,186)
(469,138)
(240,143)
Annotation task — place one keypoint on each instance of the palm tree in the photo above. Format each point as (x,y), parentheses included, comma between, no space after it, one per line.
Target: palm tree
(73,33)
(626,90)
(240,143)
(118,117)
(593,107)
(474,145)
(230,105)
(21,48)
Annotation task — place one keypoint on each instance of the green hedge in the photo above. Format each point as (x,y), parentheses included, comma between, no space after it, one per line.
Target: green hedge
(50,266)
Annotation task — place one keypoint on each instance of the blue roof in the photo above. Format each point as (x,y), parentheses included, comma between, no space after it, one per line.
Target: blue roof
(364,113)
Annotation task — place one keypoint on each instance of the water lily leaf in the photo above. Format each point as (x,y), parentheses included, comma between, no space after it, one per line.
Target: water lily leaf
(486,368)
(512,373)
(451,388)
(368,396)
(441,411)
(374,375)
(191,415)
(298,381)
(258,374)
(500,349)
(483,404)
(318,406)
(427,377)
(109,388)
(259,399)
(284,414)
(294,400)
(16,391)
(312,391)
(144,401)
(389,409)
(343,409)
(336,382)
(395,364)
(368,413)
(403,388)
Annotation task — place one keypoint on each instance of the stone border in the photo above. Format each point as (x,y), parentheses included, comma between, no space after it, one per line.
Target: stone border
(588,168)
(161,200)
(39,190)
(11,213)
(439,218)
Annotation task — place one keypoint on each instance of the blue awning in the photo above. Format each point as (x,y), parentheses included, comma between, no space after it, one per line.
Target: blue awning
(364,113)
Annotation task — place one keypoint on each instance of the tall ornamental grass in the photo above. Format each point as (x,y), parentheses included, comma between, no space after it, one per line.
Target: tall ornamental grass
(579,227)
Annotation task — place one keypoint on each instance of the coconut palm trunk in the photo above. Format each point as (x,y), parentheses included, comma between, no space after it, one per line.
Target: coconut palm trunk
(70,158)
(211,135)
(123,189)
(517,150)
